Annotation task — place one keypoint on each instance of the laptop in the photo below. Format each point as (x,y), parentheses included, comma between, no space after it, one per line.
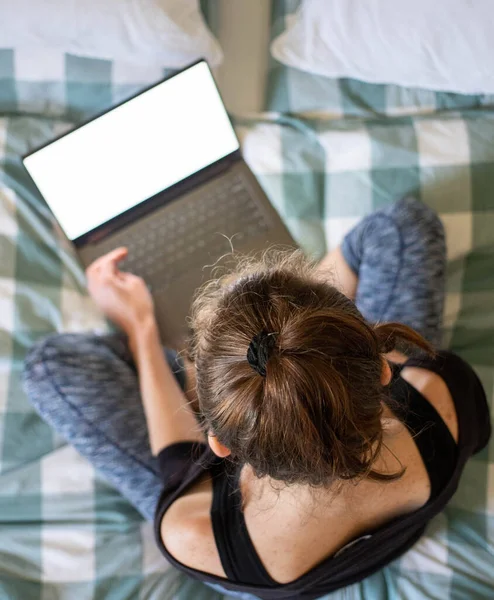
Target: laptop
(161,173)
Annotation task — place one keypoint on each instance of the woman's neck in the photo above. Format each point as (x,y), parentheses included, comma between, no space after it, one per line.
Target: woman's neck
(267,495)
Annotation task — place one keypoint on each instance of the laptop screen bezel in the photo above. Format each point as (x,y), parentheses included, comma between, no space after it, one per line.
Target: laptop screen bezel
(164,196)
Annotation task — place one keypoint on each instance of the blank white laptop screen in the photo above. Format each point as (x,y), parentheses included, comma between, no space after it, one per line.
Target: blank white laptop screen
(134,151)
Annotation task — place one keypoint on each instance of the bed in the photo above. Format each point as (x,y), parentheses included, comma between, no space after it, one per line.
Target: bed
(327,153)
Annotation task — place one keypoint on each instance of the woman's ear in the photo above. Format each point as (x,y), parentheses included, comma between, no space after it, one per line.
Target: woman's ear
(217,447)
(386,373)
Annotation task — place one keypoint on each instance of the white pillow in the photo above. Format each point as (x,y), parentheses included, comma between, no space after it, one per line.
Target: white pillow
(170,33)
(433,44)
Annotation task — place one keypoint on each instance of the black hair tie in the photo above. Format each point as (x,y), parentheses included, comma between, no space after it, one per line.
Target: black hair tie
(259,351)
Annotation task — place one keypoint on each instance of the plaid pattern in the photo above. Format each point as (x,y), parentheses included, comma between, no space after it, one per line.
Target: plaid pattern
(291,90)
(322,176)
(65,85)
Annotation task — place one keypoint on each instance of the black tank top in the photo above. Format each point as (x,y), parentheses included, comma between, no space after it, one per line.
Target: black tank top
(182,464)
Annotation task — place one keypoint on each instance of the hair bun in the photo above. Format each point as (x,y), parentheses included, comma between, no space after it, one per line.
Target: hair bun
(259,351)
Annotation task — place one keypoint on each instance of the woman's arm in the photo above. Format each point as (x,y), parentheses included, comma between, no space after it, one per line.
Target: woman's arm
(334,268)
(125,299)
(169,418)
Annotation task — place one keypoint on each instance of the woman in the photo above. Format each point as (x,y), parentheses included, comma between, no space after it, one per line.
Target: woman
(322,452)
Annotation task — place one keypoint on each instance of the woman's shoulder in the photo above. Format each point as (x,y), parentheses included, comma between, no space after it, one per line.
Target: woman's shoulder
(435,390)
(429,376)
(187,531)
(455,390)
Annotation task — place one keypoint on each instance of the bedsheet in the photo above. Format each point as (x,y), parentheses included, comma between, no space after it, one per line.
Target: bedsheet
(64,533)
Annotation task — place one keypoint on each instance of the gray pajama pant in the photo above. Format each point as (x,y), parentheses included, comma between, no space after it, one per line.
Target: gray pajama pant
(85,386)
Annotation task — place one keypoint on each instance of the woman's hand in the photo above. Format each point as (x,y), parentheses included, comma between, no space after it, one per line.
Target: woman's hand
(123,297)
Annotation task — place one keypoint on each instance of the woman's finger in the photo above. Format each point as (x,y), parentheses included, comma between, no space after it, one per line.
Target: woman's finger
(115,256)
(112,259)
(107,263)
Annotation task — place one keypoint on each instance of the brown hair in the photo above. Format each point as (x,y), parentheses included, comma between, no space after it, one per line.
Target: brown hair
(316,415)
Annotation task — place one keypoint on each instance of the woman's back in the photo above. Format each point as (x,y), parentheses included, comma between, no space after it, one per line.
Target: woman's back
(286,529)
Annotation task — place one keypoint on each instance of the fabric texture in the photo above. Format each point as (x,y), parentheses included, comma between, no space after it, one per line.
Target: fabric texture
(439,46)
(86,388)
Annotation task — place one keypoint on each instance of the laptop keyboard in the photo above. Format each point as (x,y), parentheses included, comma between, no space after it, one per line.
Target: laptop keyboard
(193,230)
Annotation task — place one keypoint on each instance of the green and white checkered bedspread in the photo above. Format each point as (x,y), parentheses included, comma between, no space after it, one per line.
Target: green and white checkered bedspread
(64,534)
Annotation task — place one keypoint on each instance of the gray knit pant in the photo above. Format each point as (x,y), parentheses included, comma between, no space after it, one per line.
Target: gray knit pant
(86,386)
(399,255)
